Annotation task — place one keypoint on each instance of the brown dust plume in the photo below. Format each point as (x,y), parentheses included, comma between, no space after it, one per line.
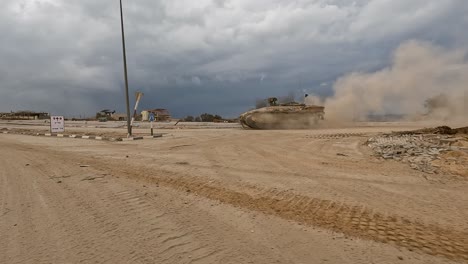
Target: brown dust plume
(423,82)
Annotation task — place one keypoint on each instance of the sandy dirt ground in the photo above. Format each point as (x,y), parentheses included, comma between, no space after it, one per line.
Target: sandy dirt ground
(225,196)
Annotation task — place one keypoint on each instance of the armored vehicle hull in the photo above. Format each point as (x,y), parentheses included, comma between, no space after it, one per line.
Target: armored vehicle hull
(285,116)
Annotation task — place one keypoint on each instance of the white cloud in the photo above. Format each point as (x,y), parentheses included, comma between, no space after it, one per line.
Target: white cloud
(386,18)
(196,80)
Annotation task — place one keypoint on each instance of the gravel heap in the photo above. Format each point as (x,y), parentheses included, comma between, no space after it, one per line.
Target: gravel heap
(417,150)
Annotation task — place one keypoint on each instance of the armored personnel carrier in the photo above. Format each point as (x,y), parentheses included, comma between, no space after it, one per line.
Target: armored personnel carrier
(291,115)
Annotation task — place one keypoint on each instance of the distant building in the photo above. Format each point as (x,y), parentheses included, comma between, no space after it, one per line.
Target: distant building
(24,115)
(144,115)
(160,115)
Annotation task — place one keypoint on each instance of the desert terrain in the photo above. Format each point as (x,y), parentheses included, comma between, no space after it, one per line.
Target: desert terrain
(215,193)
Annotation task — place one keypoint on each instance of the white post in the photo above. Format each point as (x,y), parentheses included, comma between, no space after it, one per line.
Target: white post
(138,97)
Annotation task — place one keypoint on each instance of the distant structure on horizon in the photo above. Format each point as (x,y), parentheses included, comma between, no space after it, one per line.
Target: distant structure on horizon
(108,115)
(24,115)
(160,115)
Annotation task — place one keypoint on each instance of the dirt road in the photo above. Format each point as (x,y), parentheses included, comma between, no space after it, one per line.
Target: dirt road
(230,196)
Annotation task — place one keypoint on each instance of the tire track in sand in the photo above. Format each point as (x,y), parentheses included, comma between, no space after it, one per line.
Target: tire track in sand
(356,221)
(97,220)
(114,216)
(351,220)
(102,223)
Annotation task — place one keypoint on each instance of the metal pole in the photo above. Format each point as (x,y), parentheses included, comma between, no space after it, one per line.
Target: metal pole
(129,127)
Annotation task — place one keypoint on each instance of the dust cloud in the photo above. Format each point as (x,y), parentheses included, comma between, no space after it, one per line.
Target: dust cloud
(313,100)
(424,82)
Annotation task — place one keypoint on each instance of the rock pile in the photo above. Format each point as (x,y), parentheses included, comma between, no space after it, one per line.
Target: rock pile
(417,150)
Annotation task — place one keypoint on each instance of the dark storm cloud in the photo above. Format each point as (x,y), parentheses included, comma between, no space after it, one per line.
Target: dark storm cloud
(208,55)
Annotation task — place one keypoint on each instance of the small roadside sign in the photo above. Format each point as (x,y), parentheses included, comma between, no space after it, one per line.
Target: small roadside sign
(57,124)
(151,119)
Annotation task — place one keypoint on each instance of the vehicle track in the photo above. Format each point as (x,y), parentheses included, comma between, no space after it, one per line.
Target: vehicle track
(114,205)
(334,135)
(356,221)
(131,219)
(84,219)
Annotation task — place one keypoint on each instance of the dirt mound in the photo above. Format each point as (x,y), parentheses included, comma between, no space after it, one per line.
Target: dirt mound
(442,130)
(445,130)
(462,130)
(431,150)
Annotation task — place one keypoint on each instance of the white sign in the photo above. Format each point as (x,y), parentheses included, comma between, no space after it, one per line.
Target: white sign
(57,124)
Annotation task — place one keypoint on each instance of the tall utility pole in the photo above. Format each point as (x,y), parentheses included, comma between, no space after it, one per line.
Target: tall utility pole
(129,127)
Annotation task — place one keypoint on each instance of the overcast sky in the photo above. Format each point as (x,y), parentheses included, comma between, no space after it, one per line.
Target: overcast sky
(216,56)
